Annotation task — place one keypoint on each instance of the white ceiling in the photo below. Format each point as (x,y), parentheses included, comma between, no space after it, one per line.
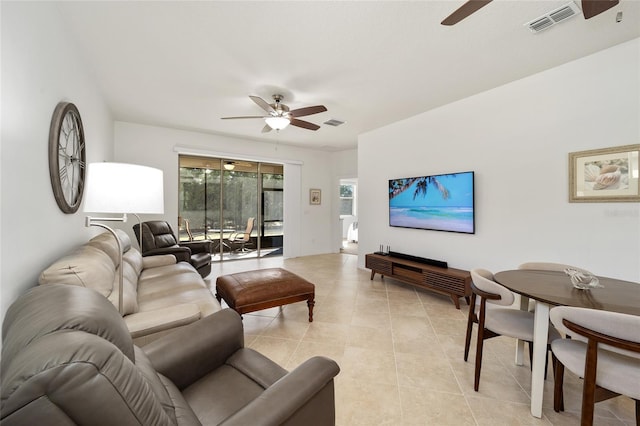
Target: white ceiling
(186,64)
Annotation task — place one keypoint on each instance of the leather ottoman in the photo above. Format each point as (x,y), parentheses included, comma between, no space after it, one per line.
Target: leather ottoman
(264,288)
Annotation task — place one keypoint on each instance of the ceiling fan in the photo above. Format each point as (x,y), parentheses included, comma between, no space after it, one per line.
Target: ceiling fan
(590,8)
(280,116)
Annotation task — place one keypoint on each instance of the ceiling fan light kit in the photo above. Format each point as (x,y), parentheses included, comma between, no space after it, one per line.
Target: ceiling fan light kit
(277,123)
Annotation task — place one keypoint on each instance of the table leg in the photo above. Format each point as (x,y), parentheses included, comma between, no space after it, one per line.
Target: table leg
(524,306)
(216,250)
(540,336)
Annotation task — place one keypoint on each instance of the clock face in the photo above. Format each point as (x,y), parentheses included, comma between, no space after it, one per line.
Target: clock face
(67,157)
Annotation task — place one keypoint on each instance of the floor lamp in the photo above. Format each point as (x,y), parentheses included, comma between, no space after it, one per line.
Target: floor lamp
(119,188)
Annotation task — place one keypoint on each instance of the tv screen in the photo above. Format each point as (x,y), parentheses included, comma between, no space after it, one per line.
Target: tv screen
(437,202)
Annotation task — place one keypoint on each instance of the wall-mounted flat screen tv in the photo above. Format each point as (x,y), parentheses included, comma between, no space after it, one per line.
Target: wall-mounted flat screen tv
(437,202)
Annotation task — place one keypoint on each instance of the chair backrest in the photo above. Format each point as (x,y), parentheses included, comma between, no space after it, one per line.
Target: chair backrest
(156,234)
(247,232)
(187,229)
(605,323)
(550,266)
(67,356)
(484,280)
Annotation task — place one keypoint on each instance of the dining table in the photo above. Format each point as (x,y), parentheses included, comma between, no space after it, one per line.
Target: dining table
(554,288)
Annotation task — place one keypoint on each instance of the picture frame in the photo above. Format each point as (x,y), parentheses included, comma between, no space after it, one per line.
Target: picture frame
(607,175)
(315,196)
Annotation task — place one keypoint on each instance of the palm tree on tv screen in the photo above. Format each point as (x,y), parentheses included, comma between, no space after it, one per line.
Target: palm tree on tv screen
(398,186)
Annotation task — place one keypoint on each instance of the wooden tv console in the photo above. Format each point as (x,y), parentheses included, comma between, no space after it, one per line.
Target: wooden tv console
(455,283)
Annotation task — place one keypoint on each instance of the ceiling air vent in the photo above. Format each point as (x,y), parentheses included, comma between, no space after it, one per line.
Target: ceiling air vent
(554,17)
(333,122)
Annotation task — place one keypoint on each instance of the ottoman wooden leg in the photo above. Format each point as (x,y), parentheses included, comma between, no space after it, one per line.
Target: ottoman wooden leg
(310,304)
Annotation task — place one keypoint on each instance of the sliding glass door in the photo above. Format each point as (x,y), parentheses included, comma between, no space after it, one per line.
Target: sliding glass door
(239,212)
(272,203)
(235,203)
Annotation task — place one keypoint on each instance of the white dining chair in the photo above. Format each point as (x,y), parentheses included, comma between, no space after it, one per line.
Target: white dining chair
(490,309)
(604,350)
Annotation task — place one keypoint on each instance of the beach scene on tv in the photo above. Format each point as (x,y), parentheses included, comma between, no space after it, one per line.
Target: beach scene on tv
(442,202)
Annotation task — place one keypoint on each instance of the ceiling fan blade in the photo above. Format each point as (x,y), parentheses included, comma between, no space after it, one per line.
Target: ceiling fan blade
(465,10)
(304,124)
(591,8)
(263,104)
(266,128)
(245,116)
(301,112)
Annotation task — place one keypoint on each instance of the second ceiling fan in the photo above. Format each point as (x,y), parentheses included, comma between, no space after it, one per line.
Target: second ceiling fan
(280,116)
(590,8)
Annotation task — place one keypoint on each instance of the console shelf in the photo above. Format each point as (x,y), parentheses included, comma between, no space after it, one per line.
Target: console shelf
(455,283)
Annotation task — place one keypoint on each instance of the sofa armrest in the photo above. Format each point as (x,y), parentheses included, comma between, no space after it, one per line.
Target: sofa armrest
(158,260)
(149,322)
(289,394)
(198,246)
(182,254)
(191,352)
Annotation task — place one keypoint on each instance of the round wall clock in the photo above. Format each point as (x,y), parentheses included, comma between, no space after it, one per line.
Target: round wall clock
(67,157)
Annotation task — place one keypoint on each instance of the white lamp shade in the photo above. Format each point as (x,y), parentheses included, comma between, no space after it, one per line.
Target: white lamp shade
(277,123)
(123,188)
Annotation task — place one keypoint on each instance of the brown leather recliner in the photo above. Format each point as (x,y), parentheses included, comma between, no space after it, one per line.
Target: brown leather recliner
(158,238)
(68,358)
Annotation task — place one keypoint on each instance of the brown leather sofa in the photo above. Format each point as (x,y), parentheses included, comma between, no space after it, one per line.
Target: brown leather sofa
(159,294)
(158,238)
(68,358)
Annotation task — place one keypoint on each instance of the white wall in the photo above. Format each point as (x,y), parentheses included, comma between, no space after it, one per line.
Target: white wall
(516,138)
(40,68)
(155,146)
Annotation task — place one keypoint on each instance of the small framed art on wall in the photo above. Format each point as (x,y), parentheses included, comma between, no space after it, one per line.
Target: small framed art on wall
(315,196)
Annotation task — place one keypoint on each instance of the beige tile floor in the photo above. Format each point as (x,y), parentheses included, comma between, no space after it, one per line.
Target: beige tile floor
(400,352)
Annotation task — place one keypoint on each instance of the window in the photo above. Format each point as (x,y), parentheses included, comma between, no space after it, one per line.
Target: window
(347,200)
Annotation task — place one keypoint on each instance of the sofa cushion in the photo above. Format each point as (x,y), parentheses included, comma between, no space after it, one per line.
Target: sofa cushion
(184,414)
(83,311)
(255,365)
(167,285)
(96,265)
(155,384)
(158,260)
(131,268)
(151,274)
(149,322)
(91,267)
(56,370)
(85,267)
(198,260)
(135,260)
(220,394)
(200,297)
(107,243)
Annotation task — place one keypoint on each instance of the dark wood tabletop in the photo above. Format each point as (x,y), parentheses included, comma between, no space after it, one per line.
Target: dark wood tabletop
(555,288)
